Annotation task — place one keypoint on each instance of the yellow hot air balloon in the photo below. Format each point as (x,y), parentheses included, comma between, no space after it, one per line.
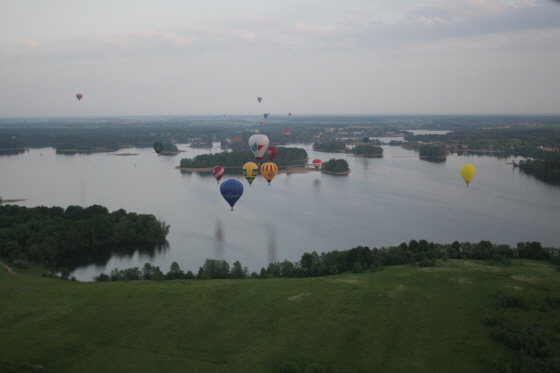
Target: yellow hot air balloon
(250,171)
(269,170)
(468,171)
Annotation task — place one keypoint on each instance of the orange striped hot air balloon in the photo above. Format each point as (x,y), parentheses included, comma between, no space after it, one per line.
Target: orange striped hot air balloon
(269,170)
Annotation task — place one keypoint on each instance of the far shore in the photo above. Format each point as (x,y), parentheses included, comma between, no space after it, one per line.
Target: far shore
(11,200)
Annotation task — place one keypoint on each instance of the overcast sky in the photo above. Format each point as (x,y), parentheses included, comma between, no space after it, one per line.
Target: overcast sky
(190,57)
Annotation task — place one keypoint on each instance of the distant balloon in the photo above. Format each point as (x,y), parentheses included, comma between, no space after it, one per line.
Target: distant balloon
(218,172)
(269,170)
(265,116)
(259,99)
(467,172)
(258,144)
(289,114)
(286,133)
(256,131)
(158,147)
(250,171)
(271,152)
(231,190)
(79,96)
(365,139)
(317,163)
(261,122)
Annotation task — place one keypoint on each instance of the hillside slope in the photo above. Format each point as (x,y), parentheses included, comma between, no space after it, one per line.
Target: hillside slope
(399,319)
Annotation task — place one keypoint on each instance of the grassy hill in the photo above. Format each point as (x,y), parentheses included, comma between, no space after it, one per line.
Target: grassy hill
(398,319)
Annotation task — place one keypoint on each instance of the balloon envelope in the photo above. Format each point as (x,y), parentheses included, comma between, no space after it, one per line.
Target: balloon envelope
(289,114)
(467,172)
(79,96)
(158,147)
(259,99)
(317,163)
(231,190)
(250,171)
(286,133)
(265,116)
(258,144)
(365,139)
(218,172)
(261,122)
(271,152)
(269,170)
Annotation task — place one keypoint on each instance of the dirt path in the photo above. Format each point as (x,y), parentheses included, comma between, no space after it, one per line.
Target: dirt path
(8,269)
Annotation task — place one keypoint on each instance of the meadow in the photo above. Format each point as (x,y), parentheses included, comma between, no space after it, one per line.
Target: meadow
(398,319)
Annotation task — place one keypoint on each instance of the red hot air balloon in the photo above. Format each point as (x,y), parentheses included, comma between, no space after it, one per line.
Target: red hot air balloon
(271,152)
(79,96)
(317,163)
(286,133)
(289,114)
(218,172)
(261,122)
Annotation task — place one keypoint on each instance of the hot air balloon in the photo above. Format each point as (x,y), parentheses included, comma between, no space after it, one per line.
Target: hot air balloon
(259,99)
(365,139)
(256,131)
(271,152)
(231,190)
(258,144)
(317,163)
(79,96)
(261,122)
(269,170)
(250,171)
(286,133)
(468,171)
(218,172)
(158,147)
(265,116)
(289,114)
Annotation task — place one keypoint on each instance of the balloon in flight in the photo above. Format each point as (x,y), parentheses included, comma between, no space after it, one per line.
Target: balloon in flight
(158,147)
(365,139)
(289,114)
(286,133)
(467,172)
(317,163)
(250,171)
(231,190)
(259,99)
(269,170)
(258,144)
(271,152)
(218,172)
(261,122)
(79,96)
(265,116)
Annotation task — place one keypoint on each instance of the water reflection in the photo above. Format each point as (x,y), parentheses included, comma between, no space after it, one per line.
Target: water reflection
(219,236)
(101,256)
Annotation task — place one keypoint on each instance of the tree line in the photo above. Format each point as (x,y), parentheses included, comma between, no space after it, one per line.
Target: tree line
(432,151)
(358,259)
(331,146)
(52,234)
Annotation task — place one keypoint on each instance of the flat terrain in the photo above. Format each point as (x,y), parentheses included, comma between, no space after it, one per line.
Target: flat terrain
(398,319)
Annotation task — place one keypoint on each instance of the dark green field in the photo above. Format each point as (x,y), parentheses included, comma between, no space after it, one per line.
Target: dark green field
(398,319)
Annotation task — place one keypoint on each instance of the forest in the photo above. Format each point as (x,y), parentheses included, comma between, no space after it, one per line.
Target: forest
(367,150)
(335,165)
(332,146)
(51,234)
(237,158)
(432,151)
(545,170)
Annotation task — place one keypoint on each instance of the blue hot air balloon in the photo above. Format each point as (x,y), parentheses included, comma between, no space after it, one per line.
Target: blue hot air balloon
(231,190)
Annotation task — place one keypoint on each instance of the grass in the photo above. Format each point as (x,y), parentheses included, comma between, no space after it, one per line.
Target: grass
(399,319)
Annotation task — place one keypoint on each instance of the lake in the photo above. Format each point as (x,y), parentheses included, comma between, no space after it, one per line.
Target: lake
(382,202)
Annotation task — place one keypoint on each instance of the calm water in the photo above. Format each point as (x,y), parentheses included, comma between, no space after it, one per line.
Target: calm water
(383,202)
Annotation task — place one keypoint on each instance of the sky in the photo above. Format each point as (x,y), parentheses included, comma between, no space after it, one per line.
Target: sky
(307,57)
